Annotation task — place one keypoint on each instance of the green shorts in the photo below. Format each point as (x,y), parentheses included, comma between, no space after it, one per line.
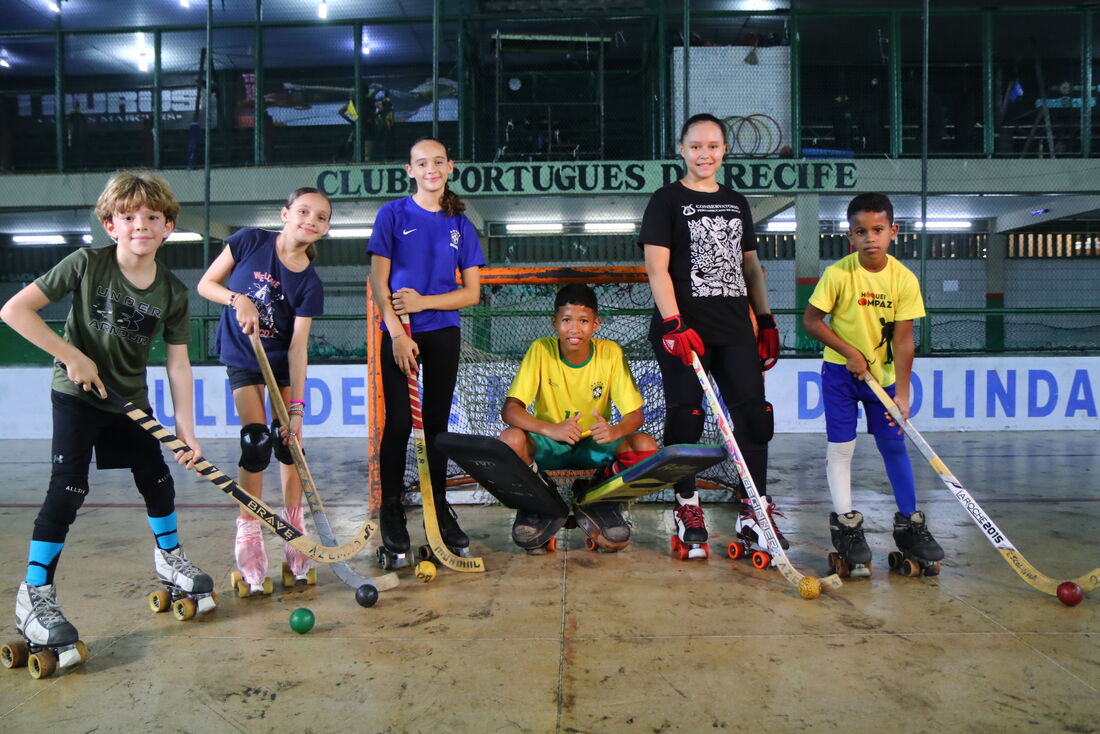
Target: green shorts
(585,454)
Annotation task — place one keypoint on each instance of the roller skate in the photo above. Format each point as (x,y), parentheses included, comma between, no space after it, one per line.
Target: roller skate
(453,537)
(534,532)
(187,590)
(852,556)
(604,526)
(251,560)
(918,552)
(690,540)
(394,551)
(297,566)
(50,643)
(750,538)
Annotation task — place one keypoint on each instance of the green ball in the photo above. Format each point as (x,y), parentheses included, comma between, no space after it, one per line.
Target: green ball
(301,620)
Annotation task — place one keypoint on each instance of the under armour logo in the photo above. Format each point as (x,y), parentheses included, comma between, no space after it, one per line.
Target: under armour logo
(408,231)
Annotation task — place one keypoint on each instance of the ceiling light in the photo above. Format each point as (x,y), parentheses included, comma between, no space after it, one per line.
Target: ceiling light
(185,3)
(531,227)
(351,232)
(322,10)
(53,6)
(609,226)
(782,226)
(184,237)
(944,224)
(4,63)
(364,44)
(38,239)
(88,239)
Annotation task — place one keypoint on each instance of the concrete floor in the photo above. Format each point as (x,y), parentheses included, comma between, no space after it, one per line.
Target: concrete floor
(580,642)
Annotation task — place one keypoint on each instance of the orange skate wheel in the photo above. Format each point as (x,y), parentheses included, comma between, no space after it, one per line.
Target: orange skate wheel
(674,541)
(736,550)
(591,544)
(552,544)
(760,559)
(682,552)
(909,567)
(706,549)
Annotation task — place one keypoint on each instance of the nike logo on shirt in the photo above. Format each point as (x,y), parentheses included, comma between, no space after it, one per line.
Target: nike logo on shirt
(408,231)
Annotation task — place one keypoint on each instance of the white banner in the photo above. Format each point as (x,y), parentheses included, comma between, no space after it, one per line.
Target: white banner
(949,394)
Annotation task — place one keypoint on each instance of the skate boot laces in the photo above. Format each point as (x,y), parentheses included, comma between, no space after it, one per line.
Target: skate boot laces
(44,606)
(690,516)
(179,564)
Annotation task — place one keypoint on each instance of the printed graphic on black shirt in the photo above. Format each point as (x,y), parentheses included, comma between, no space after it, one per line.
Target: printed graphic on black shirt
(716,255)
(121,315)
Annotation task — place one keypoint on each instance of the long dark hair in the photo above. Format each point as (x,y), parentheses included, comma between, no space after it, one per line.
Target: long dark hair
(449,202)
(311,249)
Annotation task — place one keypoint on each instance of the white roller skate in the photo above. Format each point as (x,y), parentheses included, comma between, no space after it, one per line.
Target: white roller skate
(751,539)
(690,540)
(187,590)
(251,578)
(50,643)
(297,566)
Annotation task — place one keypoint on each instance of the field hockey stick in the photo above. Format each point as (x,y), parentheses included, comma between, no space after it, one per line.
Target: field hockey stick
(808,586)
(1035,578)
(309,488)
(427,499)
(320,552)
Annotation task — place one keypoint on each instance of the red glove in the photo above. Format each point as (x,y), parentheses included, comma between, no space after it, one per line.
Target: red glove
(680,341)
(767,341)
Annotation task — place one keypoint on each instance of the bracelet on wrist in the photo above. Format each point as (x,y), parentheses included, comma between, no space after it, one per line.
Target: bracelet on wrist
(232,298)
(297,402)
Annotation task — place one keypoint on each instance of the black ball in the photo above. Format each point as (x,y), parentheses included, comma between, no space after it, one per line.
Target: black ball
(366,595)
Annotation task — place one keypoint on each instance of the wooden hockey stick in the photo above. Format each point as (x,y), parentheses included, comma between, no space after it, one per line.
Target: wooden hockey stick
(253,505)
(309,488)
(763,521)
(427,499)
(1035,578)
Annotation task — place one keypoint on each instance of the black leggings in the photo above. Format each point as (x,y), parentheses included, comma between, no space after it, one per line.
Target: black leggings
(119,443)
(439,371)
(736,369)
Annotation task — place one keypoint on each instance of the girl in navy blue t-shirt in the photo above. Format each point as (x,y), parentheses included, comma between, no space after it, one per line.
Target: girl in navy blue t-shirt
(268,285)
(417,244)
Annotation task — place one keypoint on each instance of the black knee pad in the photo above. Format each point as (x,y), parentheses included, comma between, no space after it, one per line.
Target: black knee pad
(157,488)
(255,448)
(64,497)
(282,450)
(758,419)
(683,424)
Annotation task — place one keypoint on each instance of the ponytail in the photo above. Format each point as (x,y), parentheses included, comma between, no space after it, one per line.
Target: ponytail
(451,204)
(311,251)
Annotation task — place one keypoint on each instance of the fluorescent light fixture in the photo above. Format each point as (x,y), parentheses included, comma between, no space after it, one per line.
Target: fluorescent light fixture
(142,52)
(533,227)
(184,237)
(784,226)
(88,239)
(38,239)
(185,3)
(351,232)
(609,226)
(4,63)
(53,6)
(944,224)
(364,44)
(322,10)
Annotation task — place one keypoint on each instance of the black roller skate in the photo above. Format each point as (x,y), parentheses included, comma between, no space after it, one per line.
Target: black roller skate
(919,551)
(187,590)
(457,541)
(852,556)
(604,526)
(394,551)
(690,540)
(50,643)
(751,538)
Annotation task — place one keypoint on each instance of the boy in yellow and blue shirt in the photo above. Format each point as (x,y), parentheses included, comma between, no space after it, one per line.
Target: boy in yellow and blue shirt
(570,382)
(871,300)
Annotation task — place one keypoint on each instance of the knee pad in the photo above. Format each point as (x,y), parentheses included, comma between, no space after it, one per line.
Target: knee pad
(683,424)
(282,451)
(758,420)
(157,488)
(255,448)
(64,497)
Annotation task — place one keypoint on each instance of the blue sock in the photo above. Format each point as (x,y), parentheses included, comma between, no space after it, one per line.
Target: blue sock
(164,530)
(40,561)
(900,471)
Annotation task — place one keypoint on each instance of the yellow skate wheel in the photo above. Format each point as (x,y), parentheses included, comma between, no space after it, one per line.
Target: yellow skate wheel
(311,576)
(288,577)
(82,650)
(185,608)
(159,600)
(42,664)
(14,654)
(268,586)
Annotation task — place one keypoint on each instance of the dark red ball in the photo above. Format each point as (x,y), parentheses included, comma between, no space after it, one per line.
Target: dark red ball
(1070,593)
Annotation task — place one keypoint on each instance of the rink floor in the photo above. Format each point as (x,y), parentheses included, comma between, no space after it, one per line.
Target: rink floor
(581,642)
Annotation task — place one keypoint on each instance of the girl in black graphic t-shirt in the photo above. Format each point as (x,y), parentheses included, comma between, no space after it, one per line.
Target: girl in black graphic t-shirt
(700,256)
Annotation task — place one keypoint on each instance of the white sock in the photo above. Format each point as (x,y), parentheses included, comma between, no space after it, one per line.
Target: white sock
(838,469)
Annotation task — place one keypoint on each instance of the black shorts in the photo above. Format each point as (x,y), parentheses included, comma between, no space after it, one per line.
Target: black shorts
(119,442)
(239,377)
